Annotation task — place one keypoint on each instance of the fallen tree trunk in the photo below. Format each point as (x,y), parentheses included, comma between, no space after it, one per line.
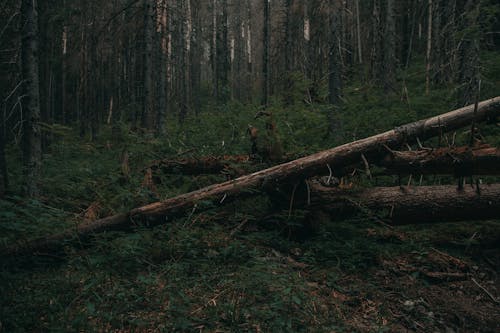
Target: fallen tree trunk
(459,161)
(415,204)
(301,168)
(203,165)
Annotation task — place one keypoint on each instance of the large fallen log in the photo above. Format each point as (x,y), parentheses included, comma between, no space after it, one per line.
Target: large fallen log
(319,163)
(459,161)
(203,165)
(415,204)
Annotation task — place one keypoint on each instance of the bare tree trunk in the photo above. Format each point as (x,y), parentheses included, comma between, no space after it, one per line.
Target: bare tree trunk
(429,50)
(4,180)
(288,36)
(249,67)
(148,102)
(214,46)
(163,27)
(196,56)
(437,55)
(389,63)
(358,33)
(31,135)
(376,59)
(468,73)
(265,53)
(83,74)
(186,61)
(334,66)
(449,43)
(223,55)
(93,88)
(288,82)
(63,74)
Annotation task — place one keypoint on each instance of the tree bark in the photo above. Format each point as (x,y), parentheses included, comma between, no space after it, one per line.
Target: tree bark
(213,55)
(270,178)
(64,65)
(288,81)
(4,180)
(358,34)
(32,150)
(265,55)
(249,66)
(196,56)
(163,35)
(334,67)
(148,102)
(408,205)
(469,61)
(376,43)
(186,61)
(93,89)
(83,95)
(389,63)
(429,50)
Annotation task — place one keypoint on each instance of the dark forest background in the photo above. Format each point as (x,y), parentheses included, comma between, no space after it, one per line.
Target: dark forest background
(150,63)
(93,93)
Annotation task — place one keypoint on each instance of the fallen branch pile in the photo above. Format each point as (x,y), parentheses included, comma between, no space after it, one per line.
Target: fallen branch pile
(373,149)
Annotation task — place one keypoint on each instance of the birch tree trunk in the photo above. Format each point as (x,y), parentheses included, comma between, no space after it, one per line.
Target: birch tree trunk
(429,50)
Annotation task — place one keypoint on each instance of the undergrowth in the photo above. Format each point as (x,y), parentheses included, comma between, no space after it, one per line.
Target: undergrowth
(237,269)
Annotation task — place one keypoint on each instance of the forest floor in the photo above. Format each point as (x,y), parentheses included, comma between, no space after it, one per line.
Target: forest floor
(205,277)
(251,266)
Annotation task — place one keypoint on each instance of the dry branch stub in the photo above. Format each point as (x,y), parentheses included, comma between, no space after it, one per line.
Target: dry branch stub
(302,168)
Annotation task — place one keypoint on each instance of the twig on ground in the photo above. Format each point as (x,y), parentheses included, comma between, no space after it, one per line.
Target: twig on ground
(486,291)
